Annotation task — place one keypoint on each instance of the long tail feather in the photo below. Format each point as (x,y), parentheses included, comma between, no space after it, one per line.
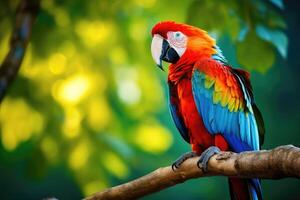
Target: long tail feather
(245,189)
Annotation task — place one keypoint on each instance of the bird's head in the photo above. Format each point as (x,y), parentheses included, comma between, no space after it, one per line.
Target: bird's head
(173,41)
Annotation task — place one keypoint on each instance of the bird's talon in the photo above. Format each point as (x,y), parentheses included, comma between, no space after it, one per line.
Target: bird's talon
(182,158)
(174,167)
(205,156)
(199,165)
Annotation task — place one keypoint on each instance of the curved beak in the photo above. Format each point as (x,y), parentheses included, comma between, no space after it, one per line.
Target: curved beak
(156,50)
(162,51)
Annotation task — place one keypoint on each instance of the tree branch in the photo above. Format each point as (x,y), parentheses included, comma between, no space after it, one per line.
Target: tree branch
(281,162)
(25,17)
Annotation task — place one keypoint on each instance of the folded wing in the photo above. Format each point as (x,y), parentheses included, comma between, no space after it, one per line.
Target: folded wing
(224,99)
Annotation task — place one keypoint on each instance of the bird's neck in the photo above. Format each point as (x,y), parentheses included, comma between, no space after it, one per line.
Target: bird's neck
(178,72)
(184,67)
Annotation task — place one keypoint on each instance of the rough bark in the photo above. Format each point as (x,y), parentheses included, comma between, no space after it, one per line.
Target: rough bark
(25,16)
(281,162)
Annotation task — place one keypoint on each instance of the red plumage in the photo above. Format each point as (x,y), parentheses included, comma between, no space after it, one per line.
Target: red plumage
(200,48)
(182,96)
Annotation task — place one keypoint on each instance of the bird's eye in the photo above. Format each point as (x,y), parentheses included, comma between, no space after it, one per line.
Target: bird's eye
(178,35)
(177,39)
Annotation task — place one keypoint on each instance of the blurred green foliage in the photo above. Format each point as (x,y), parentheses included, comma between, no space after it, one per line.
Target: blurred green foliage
(254,26)
(89,109)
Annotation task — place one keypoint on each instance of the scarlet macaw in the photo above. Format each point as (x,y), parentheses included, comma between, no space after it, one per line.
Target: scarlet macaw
(211,103)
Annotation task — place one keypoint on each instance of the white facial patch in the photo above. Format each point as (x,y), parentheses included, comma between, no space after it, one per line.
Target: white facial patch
(178,41)
(156,48)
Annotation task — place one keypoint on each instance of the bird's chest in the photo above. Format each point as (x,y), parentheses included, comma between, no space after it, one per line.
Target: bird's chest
(192,118)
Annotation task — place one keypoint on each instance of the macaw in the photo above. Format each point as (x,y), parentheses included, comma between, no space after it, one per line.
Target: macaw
(211,103)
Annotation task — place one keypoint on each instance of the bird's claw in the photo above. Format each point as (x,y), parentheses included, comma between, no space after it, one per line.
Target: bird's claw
(205,156)
(182,158)
(174,166)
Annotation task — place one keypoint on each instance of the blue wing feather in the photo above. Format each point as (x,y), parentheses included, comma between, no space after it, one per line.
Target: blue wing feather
(177,118)
(239,128)
(178,122)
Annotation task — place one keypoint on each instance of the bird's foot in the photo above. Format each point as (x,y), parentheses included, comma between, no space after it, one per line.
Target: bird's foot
(182,158)
(205,156)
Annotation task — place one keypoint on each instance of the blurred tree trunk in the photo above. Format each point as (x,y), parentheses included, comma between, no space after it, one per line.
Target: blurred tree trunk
(25,16)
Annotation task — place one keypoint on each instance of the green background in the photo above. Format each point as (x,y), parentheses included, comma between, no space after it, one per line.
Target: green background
(88,109)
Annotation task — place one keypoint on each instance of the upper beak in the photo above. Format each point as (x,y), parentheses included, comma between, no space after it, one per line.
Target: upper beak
(156,50)
(161,50)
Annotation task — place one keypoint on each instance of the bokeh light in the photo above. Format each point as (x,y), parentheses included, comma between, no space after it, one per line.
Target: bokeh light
(153,138)
(19,122)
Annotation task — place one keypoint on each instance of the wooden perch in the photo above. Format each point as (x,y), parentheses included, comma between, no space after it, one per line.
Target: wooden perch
(281,162)
(25,17)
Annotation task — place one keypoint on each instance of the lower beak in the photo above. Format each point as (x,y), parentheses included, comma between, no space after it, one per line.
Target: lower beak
(161,50)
